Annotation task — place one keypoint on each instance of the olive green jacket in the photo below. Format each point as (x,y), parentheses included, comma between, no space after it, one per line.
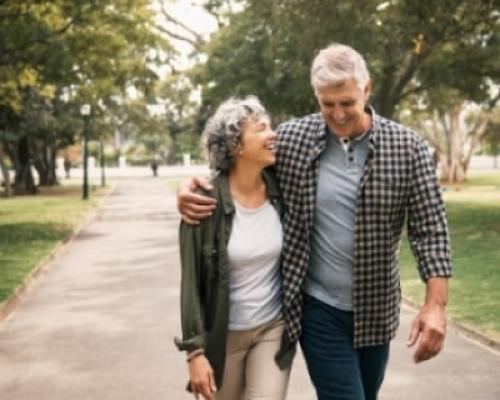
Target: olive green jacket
(205,279)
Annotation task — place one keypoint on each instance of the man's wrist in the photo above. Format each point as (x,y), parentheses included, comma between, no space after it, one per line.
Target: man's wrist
(437,292)
(435,301)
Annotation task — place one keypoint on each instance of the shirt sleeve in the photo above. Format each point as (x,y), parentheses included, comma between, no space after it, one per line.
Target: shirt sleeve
(427,225)
(192,310)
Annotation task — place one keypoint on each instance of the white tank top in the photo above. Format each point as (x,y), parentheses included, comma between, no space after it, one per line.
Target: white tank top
(254,250)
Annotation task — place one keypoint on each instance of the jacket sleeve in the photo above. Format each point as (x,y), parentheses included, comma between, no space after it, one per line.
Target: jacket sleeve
(192,308)
(427,225)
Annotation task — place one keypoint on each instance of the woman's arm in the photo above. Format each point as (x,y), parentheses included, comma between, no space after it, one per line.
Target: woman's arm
(192,312)
(192,316)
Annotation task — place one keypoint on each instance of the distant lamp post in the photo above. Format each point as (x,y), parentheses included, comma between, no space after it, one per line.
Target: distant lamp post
(85,112)
(103,163)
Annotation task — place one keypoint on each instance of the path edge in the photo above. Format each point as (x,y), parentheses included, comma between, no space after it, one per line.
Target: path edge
(11,303)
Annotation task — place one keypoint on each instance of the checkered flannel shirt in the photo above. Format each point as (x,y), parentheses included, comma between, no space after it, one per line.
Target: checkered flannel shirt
(398,179)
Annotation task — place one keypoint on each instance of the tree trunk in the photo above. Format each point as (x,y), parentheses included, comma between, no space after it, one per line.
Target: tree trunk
(173,131)
(45,164)
(5,173)
(24,182)
(455,172)
(172,151)
(384,101)
(477,134)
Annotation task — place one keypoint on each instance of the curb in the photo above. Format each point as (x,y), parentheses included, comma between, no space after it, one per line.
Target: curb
(9,305)
(463,330)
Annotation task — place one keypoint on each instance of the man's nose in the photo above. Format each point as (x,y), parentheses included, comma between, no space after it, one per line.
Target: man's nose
(338,114)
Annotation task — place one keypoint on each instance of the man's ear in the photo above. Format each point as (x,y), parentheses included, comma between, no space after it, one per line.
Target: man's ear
(368,90)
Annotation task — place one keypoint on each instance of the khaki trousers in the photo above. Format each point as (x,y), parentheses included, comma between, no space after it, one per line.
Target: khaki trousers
(250,371)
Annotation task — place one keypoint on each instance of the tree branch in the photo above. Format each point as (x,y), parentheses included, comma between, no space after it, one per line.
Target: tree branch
(174,35)
(198,38)
(406,75)
(478,132)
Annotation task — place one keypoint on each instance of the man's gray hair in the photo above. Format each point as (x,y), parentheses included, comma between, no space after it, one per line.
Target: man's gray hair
(336,64)
(223,131)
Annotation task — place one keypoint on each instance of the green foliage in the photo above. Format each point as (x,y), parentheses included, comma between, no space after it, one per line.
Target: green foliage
(410,46)
(56,55)
(181,115)
(191,144)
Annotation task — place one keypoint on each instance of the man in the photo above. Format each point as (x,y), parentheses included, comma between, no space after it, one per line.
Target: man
(348,178)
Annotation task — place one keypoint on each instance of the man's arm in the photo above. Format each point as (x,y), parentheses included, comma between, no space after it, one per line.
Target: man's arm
(194,207)
(429,327)
(429,240)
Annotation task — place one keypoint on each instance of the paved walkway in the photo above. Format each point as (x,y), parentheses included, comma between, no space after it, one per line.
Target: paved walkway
(99,324)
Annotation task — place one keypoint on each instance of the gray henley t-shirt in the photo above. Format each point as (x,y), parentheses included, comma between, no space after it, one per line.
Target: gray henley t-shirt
(330,274)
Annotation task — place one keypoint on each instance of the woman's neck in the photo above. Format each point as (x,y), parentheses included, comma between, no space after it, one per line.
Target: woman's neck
(247,186)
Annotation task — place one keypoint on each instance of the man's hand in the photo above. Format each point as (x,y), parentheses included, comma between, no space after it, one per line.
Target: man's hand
(202,378)
(194,207)
(429,326)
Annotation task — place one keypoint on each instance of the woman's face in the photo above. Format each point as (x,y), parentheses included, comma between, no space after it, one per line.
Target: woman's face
(258,143)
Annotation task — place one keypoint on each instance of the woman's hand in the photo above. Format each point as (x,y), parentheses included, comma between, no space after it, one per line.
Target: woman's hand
(202,378)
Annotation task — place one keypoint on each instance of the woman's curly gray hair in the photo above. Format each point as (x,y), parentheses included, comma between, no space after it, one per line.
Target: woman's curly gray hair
(223,130)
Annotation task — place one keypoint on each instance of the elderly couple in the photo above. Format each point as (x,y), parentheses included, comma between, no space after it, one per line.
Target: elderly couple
(296,238)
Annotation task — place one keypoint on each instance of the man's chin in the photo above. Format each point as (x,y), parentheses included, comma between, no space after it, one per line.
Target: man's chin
(341,131)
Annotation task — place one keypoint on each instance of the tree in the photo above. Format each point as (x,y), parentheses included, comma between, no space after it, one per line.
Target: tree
(491,138)
(174,94)
(453,126)
(411,46)
(86,52)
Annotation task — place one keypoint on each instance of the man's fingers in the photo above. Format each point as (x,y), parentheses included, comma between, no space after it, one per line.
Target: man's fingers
(195,198)
(203,183)
(195,206)
(194,218)
(189,221)
(414,332)
(198,209)
(430,344)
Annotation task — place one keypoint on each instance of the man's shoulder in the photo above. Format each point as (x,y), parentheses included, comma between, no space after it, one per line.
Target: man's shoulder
(299,125)
(393,130)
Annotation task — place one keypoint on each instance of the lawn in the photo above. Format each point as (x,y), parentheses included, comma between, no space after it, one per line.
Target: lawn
(474,219)
(31,226)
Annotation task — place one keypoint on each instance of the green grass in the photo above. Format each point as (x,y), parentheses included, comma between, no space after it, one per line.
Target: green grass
(31,226)
(474,219)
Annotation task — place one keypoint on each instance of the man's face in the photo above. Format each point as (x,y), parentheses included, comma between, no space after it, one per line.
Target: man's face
(343,108)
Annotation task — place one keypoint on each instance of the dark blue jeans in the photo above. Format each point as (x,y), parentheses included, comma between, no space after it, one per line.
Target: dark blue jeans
(339,371)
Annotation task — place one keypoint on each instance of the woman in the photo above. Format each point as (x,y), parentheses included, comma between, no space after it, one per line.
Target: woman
(232,326)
